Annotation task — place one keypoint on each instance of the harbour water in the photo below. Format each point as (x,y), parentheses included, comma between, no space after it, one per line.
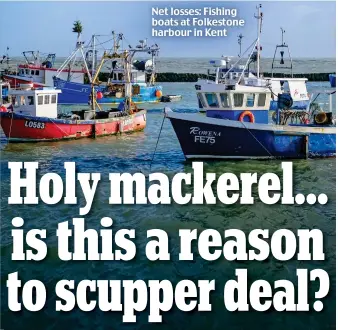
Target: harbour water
(201,65)
(133,153)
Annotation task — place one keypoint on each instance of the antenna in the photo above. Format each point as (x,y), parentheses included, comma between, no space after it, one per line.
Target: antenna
(259,31)
(240,37)
(7,59)
(283,31)
(282,64)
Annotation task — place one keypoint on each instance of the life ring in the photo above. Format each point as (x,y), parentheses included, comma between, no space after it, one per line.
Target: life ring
(3,109)
(321,118)
(247,113)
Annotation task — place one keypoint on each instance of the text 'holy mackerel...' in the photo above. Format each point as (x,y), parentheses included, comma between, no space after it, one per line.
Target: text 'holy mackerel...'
(29,186)
(189,22)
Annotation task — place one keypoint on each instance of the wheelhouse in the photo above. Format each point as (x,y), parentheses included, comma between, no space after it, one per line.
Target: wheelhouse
(231,103)
(35,102)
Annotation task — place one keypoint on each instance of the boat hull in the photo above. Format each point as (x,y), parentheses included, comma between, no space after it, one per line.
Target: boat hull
(21,128)
(203,138)
(76,93)
(332,79)
(16,81)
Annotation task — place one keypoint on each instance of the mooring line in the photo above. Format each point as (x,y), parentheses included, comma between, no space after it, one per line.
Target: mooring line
(258,141)
(158,138)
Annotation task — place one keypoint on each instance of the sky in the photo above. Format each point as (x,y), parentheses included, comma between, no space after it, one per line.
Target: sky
(47,26)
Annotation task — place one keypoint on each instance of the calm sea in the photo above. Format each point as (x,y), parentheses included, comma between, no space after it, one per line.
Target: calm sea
(132,153)
(201,65)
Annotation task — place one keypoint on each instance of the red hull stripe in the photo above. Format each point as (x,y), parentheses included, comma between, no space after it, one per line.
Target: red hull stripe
(33,67)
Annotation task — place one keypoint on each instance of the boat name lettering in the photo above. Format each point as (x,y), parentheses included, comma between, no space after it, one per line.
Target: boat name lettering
(198,131)
(127,122)
(34,124)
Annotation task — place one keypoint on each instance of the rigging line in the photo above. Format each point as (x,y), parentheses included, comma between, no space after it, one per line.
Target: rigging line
(103,42)
(158,138)
(258,141)
(10,128)
(58,126)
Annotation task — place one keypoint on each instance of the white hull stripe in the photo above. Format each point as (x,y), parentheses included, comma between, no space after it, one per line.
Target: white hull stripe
(198,118)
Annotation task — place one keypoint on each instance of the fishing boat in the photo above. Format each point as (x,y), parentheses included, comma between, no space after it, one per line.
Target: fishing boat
(228,74)
(33,115)
(39,72)
(144,89)
(237,124)
(332,79)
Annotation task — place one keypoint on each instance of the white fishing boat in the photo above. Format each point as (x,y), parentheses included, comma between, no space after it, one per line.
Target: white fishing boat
(227,74)
(39,71)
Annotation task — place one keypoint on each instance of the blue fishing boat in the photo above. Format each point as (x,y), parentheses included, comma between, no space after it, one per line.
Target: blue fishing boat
(237,124)
(332,79)
(78,93)
(113,92)
(227,74)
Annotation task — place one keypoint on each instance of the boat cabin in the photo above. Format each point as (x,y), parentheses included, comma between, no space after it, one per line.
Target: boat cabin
(137,77)
(4,92)
(296,87)
(250,104)
(35,102)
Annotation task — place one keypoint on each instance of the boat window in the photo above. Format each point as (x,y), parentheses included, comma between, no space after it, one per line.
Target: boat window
(201,99)
(261,100)
(22,100)
(36,72)
(250,99)
(238,100)
(30,100)
(40,99)
(32,72)
(225,100)
(27,71)
(211,99)
(46,99)
(53,98)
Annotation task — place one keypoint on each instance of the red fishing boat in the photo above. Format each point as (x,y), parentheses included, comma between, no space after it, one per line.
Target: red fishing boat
(38,71)
(32,117)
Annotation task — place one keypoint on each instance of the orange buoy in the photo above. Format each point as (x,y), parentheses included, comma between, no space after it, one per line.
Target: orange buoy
(99,95)
(158,93)
(247,113)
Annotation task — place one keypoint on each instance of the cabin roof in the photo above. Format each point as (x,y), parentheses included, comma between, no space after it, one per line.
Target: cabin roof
(50,90)
(286,79)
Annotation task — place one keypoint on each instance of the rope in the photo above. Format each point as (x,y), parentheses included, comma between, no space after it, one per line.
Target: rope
(10,128)
(158,138)
(58,126)
(258,141)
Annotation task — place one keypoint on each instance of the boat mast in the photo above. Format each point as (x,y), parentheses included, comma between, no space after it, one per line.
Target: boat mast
(259,31)
(72,57)
(128,59)
(240,37)
(93,56)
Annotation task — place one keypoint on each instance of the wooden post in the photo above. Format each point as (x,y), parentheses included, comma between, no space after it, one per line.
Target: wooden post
(306,146)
